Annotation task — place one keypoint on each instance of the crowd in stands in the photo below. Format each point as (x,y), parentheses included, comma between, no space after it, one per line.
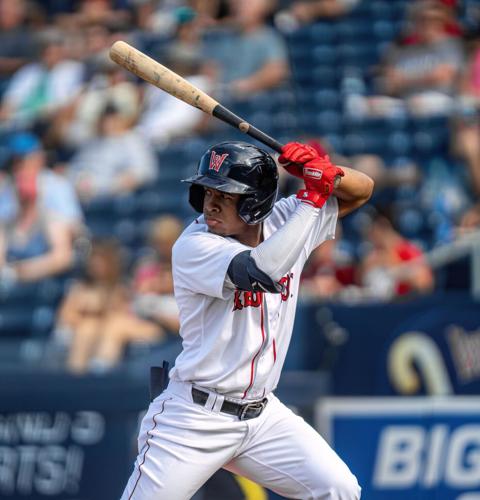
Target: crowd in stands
(90,157)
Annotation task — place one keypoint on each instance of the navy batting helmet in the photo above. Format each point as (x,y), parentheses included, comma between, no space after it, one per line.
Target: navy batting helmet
(240,168)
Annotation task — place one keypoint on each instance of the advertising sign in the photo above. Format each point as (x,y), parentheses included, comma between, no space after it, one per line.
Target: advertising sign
(407,448)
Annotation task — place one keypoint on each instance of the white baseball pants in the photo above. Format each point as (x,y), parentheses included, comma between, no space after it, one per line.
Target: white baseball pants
(181,444)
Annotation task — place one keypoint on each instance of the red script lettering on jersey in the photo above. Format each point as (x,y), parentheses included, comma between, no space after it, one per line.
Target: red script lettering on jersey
(246,299)
(243,299)
(216,161)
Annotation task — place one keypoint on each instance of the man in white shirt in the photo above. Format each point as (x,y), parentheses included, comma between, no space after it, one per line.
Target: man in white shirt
(236,273)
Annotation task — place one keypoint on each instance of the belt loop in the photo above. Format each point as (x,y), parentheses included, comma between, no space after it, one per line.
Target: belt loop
(209,404)
(217,405)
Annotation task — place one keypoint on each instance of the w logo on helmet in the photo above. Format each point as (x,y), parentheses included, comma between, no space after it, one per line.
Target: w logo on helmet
(216,161)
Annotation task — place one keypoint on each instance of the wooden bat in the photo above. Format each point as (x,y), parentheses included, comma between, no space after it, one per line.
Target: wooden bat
(155,73)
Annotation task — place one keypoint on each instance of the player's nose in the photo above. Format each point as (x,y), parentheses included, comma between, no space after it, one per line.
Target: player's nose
(211,205)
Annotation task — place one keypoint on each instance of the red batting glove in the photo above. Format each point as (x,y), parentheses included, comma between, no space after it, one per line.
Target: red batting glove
(320,175)
(295,155)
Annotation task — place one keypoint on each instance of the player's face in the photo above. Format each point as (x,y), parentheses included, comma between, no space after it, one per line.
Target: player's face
(221,214)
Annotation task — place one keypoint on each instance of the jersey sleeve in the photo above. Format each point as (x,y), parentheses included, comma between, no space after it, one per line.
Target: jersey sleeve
(200,263)
(325,226)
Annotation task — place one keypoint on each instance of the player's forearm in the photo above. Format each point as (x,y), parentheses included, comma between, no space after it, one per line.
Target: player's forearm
(354,190)
(277,254)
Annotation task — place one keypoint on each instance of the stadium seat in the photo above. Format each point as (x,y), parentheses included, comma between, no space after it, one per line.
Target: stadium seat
(353,31)
(329,122)
(381,9)
(360,55)
(399,143)
(327,99)
(15,321)
(322,32)
(43,319)
(384,30)
(323,54)
(323,76)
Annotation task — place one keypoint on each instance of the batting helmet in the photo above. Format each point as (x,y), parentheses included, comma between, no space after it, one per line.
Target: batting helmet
(240,168)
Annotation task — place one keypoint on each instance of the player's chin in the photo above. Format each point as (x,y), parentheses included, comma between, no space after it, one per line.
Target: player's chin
(217,230)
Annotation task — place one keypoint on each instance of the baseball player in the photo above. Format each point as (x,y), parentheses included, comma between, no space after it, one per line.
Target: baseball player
(236,272)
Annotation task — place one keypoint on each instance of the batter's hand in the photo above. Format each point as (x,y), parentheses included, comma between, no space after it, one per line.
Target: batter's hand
(295,155)
(321,177)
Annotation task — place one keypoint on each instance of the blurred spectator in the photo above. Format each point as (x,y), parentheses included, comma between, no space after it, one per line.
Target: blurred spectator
(166,17)
(113,14)
(116,162)
(165,117)
(421,75)
(385,176)
(78,123)
(38,229)
(37,90)
(466,125)
(253,58)
(309,11)
(95,320)
(16,41)
(470,220)
(153,282)
(328,270)
(451,25)
(393,266)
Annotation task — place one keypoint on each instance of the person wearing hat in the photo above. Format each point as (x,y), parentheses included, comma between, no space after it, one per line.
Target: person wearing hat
(37,232)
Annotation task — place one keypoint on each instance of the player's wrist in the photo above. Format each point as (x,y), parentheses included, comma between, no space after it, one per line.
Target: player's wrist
(311,197)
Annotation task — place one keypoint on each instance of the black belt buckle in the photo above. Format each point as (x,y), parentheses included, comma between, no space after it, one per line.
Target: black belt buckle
(252,410)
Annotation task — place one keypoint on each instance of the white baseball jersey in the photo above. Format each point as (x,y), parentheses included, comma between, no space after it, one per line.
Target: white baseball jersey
(235,342)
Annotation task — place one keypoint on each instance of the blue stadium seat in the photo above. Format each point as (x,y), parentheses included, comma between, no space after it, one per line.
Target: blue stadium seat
(353,30)
(399,143)
(324,55)
(16,321)
(51,290)
(384,30)
(324,76)
(17,295)
(328,122)
(358,54)
(43,320)
(125,231)
(364,142)
(327,99)
(156,201)
(381,9)
(124,205)
(322,32)
(335,141)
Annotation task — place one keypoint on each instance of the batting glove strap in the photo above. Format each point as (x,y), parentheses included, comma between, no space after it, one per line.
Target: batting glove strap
(312,198)
(322,176)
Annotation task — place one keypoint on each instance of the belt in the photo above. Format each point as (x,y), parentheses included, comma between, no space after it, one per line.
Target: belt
(243,412)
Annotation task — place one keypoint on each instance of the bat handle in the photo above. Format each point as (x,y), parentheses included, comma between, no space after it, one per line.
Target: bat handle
(224,114)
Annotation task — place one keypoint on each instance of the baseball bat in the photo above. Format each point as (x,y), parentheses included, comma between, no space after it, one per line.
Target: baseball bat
(155,73)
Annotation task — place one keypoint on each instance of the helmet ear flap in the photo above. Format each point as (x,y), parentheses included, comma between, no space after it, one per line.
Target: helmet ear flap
(196,197)
(245,207)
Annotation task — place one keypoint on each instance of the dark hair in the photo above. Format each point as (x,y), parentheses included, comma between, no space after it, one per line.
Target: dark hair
(110,250)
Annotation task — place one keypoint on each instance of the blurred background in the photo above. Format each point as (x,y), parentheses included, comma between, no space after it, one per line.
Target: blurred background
(385,356)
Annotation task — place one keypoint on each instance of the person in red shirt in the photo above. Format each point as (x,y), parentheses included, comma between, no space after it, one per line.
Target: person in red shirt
(394,266)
